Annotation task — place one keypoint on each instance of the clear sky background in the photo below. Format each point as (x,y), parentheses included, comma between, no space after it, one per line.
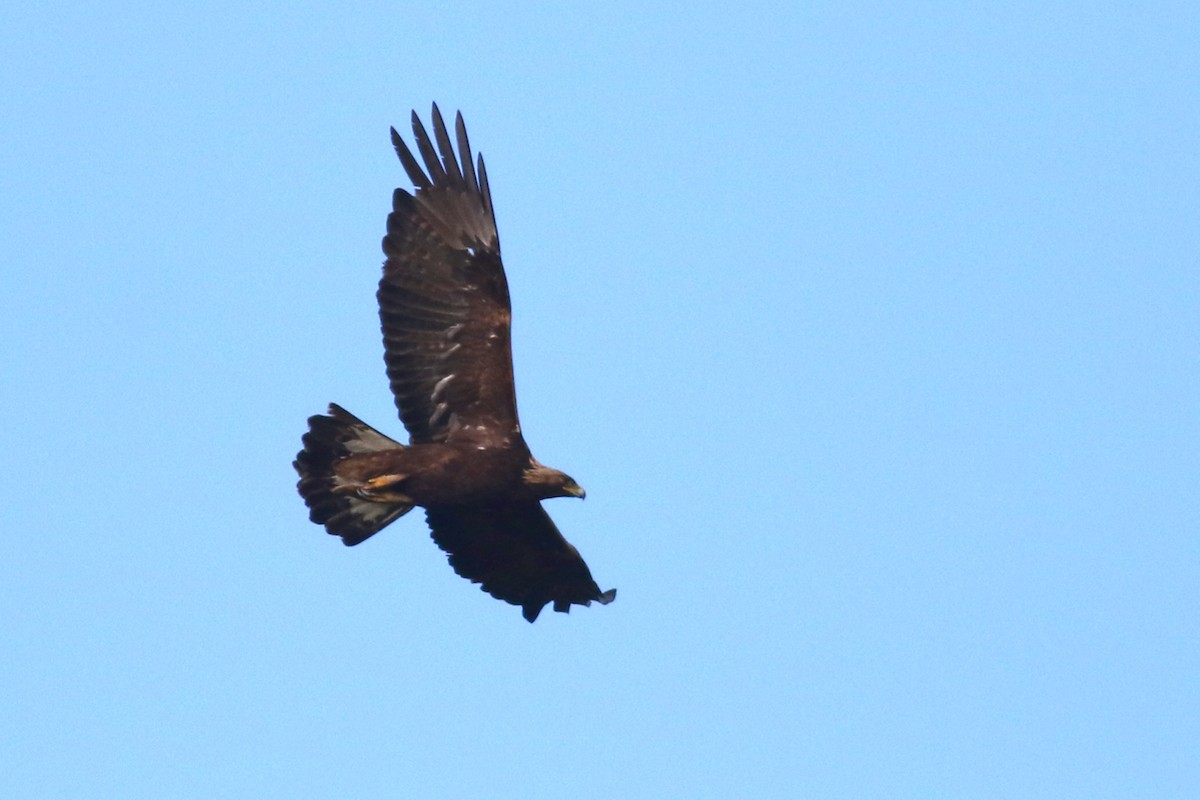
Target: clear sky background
(871,329)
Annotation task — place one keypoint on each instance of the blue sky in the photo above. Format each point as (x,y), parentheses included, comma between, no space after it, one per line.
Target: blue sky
(870,329)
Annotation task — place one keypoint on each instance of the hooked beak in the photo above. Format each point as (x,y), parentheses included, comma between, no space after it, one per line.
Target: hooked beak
(577,491)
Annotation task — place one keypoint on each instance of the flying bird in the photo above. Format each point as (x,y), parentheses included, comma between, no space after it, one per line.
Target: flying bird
(446,318)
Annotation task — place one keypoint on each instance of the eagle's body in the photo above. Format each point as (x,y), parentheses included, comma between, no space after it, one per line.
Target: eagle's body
(445,475)
(446,317)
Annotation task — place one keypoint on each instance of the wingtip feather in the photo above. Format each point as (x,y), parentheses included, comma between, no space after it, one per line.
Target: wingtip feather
(449,159)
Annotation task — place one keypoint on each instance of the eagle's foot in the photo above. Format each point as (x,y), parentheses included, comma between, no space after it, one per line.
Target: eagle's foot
(380,489)
(383,489)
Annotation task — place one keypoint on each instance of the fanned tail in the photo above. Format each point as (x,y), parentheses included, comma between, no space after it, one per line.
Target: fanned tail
(330,439)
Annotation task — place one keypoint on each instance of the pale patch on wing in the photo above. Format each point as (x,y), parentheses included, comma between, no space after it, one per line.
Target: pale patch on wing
(440,412)
(440,387)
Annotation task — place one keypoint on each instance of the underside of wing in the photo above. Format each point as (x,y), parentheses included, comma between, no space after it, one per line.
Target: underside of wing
(443,298)
(517,555)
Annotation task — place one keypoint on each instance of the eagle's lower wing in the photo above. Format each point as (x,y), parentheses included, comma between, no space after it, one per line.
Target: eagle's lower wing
(517,554)
(443,298)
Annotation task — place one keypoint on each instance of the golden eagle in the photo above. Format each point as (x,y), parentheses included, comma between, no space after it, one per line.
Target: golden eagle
(443,303)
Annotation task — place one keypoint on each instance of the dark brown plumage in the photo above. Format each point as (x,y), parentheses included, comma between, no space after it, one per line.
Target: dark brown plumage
(444,307)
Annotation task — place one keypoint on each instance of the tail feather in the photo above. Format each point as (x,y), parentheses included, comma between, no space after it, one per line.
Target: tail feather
(329,440)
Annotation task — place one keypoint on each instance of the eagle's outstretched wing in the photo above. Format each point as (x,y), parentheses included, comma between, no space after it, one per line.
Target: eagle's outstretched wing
(517,555)
(443,298)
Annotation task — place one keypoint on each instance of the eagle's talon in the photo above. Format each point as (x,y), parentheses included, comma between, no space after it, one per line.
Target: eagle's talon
(382,489)
(383,482)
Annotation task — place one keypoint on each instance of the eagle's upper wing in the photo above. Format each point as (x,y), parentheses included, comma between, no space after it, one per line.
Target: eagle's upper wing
(516,552)
(443,298)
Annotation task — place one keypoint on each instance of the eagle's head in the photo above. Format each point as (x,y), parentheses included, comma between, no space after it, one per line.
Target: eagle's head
(548,482)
